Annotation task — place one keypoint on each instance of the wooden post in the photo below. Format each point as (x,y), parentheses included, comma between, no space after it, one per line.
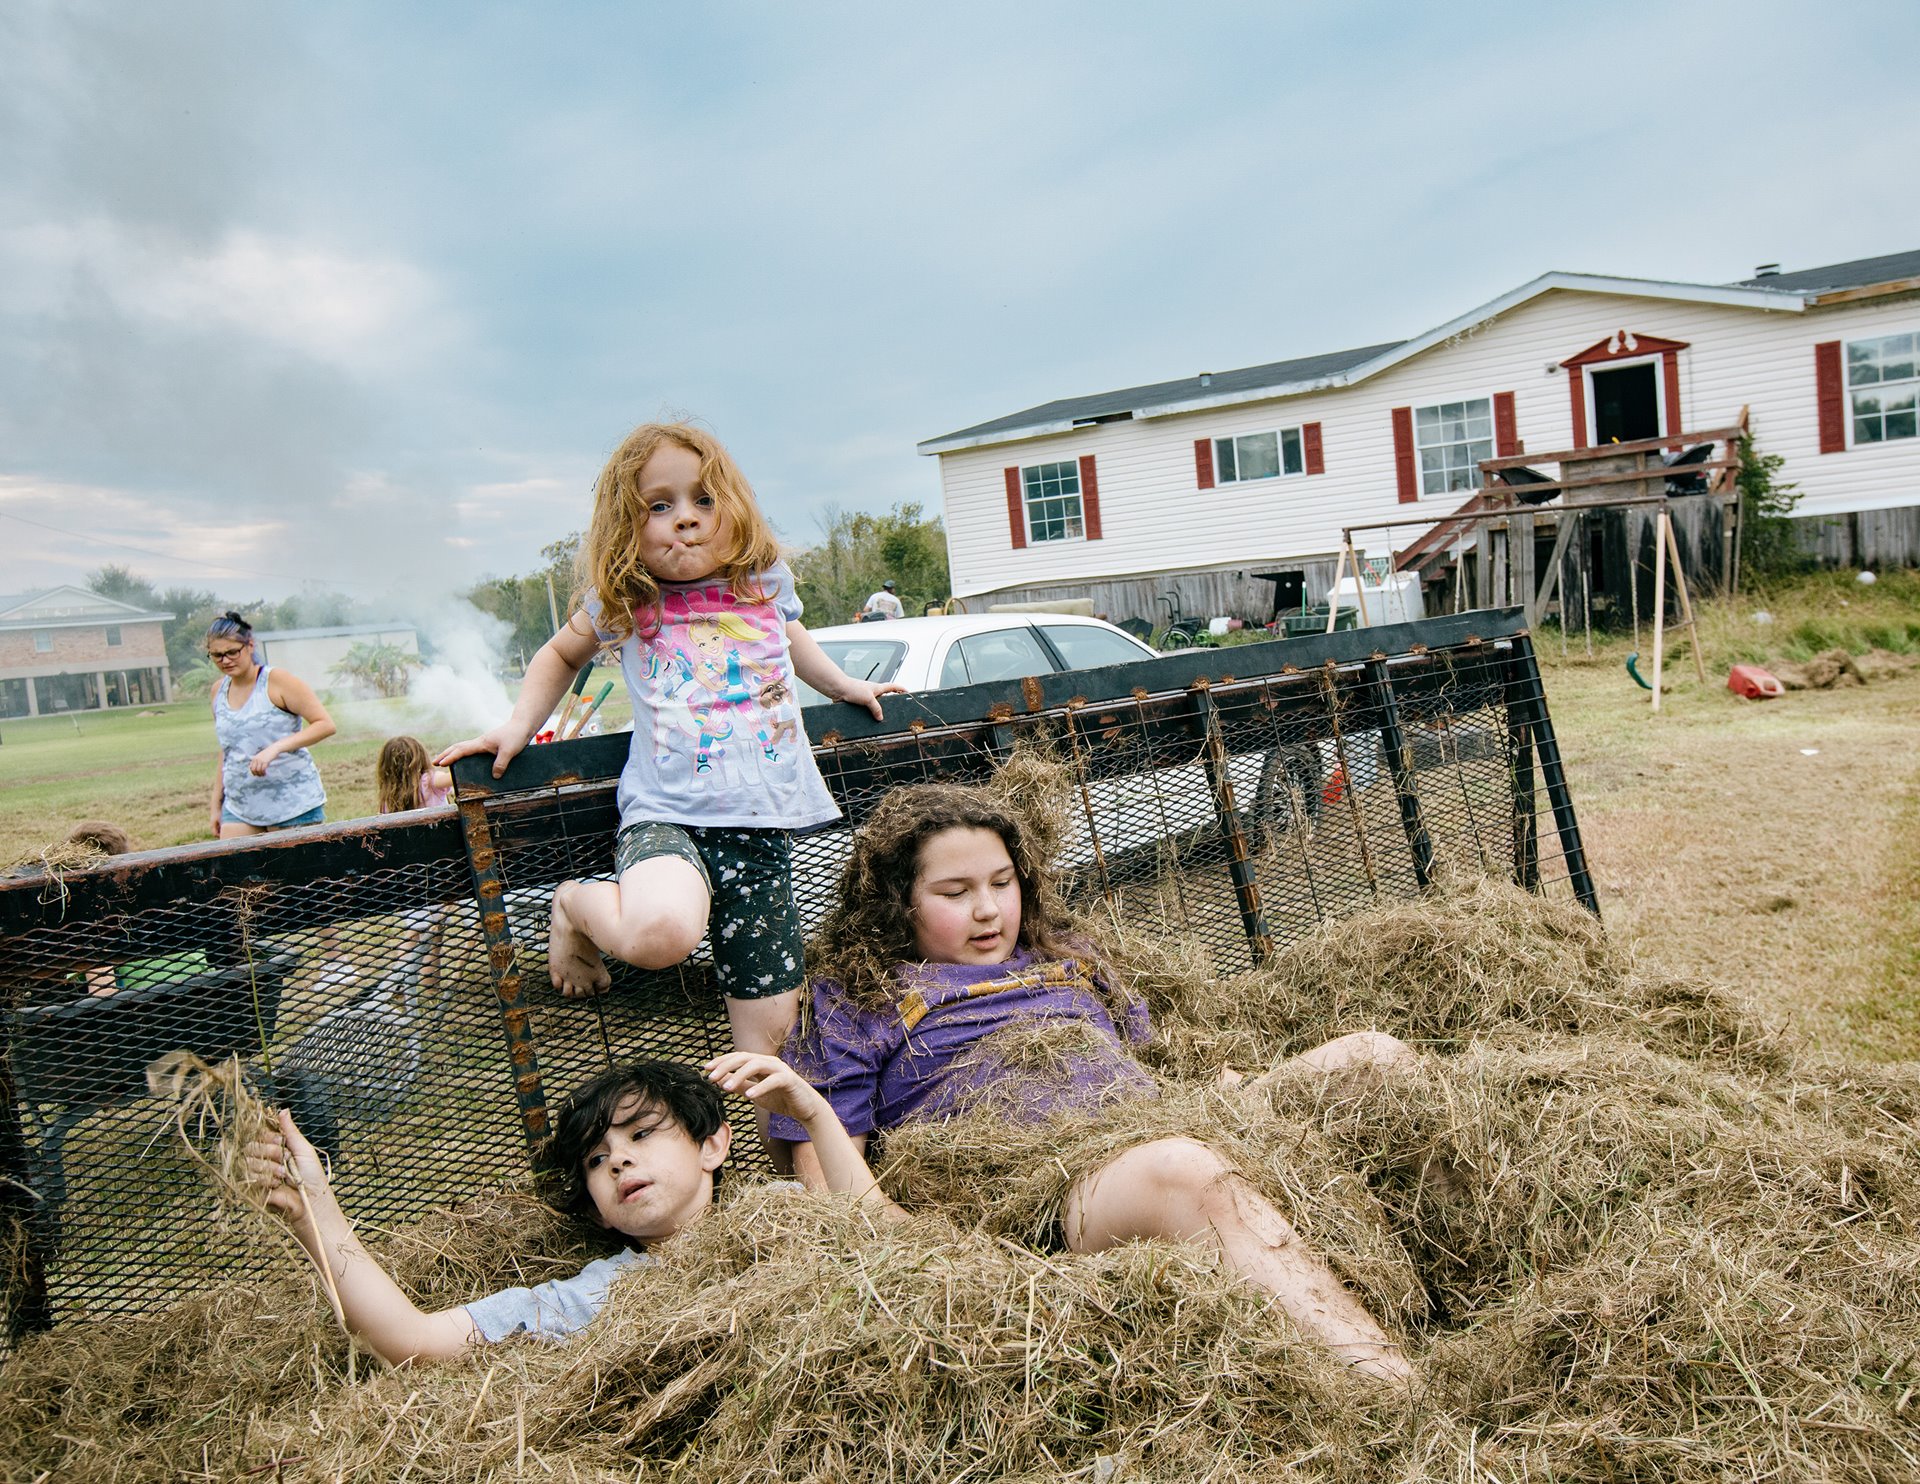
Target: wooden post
(1333,592)
(1537,609)
(1359,594)
(1520,556)
(1659,597)
(1686,603)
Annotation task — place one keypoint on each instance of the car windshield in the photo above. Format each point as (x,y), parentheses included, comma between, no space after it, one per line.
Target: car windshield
(863,659)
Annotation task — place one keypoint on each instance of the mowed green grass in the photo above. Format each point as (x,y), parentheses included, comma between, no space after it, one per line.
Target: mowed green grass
(150,770)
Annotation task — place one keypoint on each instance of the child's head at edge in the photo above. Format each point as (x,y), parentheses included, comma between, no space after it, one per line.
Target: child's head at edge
(102,835)
(610,564)
(872,927)
(397,773)
(684,1119)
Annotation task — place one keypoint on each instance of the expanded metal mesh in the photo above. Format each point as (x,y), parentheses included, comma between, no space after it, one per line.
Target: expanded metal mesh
(387,981)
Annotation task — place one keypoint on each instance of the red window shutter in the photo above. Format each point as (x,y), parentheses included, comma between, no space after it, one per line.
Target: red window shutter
(1670,380)
(1016,512)
(1506,437)
(1832,397)
(1090,497)
(1403,455)
(1310,446)
(1203,463)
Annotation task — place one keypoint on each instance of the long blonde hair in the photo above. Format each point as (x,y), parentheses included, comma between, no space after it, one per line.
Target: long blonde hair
(609,564)
(397,773)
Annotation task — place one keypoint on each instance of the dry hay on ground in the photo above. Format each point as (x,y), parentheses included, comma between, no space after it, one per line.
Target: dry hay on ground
(1626,1232)
(1837,667)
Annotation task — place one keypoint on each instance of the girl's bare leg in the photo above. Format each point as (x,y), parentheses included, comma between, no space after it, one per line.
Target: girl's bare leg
(1179,1189)
(1353,1062)
(652,917)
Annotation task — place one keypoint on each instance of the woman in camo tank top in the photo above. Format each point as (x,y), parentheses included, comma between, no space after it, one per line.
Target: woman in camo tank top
(266,720)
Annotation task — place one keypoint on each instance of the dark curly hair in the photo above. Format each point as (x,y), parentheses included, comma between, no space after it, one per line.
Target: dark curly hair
(869,931)
(680,1092)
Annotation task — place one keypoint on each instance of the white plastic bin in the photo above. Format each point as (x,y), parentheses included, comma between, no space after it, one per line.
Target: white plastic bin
(1396,599)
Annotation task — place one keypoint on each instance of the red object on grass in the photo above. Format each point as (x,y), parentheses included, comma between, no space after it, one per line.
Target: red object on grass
(1754,683)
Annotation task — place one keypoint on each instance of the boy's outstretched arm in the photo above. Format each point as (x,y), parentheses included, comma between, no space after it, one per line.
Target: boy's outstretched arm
(769,1083)
(374,1307)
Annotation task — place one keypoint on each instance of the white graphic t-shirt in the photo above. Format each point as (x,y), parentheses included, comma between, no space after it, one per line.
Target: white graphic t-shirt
(717,739)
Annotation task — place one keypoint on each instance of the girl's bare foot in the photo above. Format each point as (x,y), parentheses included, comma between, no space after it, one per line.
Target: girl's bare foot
(573,963)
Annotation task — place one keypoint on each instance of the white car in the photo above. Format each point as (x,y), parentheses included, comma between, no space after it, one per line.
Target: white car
(926,654)
(968,649)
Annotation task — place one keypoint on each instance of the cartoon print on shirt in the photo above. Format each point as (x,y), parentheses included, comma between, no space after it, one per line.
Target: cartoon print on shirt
(715,665)
(780,723)
(670,670)
(718,665)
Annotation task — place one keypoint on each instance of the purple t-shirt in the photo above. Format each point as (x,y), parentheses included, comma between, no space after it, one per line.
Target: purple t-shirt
(922,1058)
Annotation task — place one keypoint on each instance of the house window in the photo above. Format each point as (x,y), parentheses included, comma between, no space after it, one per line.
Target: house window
(1053,501)
(43,641)
(1882,385)
(1258,456)
(113,636)
(1452,439)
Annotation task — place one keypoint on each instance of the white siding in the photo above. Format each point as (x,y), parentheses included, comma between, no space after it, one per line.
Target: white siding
(1154,516)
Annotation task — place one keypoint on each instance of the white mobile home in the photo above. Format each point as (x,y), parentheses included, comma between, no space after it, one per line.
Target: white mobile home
(1199,482)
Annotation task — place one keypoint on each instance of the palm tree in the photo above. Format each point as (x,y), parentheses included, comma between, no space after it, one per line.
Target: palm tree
(387,668)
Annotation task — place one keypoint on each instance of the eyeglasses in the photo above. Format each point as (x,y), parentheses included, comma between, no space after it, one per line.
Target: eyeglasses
(217,655)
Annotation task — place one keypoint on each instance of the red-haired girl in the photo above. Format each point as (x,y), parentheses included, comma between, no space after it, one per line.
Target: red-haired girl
(684,575)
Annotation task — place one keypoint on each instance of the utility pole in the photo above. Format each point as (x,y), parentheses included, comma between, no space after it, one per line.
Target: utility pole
(553,604)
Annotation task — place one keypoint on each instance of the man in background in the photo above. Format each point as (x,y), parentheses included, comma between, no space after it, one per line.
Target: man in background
(882,605)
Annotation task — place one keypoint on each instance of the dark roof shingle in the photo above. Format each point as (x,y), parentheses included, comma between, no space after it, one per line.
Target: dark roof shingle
(1858,274)
(1159,393)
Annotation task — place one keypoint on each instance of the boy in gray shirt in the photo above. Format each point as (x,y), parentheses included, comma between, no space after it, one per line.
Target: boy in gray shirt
(638,1149)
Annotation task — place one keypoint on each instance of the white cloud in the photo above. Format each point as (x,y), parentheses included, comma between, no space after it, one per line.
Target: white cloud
(56,531)
(344,309)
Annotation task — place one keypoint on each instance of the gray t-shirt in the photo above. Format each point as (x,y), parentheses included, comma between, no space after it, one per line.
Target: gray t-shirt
(717,739)
(554,1309)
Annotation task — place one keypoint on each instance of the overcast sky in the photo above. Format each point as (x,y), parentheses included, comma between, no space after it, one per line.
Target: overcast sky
(362,293)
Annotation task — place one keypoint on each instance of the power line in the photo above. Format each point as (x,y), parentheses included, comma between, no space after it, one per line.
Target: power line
(168,556)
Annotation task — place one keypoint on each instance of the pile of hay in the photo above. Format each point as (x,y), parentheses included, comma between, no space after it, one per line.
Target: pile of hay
(1668,1245)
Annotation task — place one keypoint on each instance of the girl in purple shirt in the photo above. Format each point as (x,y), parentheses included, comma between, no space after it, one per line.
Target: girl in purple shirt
(949,930)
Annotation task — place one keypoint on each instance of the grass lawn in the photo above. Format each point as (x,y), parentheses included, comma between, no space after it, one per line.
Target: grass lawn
(1773,846)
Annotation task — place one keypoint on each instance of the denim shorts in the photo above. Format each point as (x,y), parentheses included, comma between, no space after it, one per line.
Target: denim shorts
(315,815)
(752,922)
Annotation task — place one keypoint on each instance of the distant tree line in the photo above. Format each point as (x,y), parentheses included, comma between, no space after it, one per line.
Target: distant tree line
(185,634)
(860,551)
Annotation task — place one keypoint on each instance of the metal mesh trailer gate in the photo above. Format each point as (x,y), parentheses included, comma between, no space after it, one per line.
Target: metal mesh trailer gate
(385,978)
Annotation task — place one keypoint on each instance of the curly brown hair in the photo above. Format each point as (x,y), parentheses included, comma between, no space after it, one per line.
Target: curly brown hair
(609,564)
(869,931)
